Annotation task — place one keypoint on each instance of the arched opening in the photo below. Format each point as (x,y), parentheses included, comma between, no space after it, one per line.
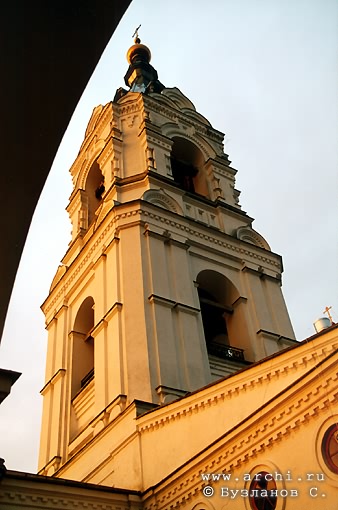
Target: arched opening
(94,190)
(220,322)
(187,163)
(214,318)
(83,346)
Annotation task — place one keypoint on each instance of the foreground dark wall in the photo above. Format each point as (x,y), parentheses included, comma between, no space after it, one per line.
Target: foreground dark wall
(49,49)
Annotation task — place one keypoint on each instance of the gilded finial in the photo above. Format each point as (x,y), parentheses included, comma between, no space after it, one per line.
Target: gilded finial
(327,310)
(138,51)
(137,40)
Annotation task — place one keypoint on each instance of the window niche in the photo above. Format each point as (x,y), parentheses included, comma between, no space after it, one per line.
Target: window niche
(83,346)
(220,322)
(94,189)
(187,164)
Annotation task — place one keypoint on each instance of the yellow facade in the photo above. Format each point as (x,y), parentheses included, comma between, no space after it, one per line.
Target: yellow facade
(172,371)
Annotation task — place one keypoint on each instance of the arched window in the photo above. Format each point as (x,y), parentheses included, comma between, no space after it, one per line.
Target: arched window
(220,324)
(263,492)
(83,346)
(330,448)
(94,190)
(187,163)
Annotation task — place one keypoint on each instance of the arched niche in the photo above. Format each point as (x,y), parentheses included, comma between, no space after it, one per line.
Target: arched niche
(83,346)
(162,199)
(222,324)
(187,165)
(94,189)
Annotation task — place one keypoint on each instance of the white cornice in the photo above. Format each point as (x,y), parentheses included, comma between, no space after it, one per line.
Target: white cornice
(116,218)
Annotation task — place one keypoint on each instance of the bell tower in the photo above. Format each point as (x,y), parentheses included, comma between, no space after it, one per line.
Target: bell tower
(165,286)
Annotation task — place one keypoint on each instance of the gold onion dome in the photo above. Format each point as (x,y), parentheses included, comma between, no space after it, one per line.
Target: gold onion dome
(138,52)
(141,76)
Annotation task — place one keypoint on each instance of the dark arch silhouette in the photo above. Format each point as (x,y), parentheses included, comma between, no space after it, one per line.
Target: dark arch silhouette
(50,51)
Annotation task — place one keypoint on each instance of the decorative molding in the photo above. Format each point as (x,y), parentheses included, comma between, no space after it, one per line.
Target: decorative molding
(226,394)
(187,308)
(130,105)
(162,199)
(53,465)
(222,164)
(93,120)
(39,495)
(94,155)
(116,308)
(178,98)
(53,380)
(86,261)
(250,235)
(103,118)
(196,116)
(199,139)
(165,100)
(260,272)
(240,445)
(168,394)
(107,151)
(169,303)
(179,117)
(77,199)
(161,141)
(239,300)
(102,212)
(160,300)
(58,275)
(275,336)
(96,425)
(205,237)
(179,223)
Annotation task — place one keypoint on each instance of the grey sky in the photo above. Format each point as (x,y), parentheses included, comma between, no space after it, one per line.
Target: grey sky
(262,71)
